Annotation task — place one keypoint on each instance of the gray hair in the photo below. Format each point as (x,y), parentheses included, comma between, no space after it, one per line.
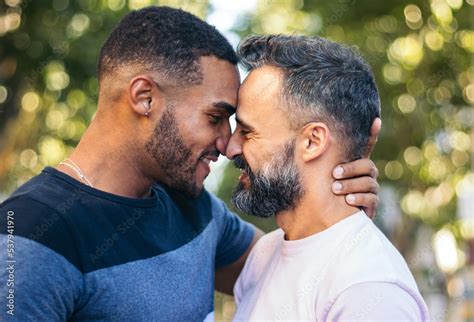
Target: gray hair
(322,81)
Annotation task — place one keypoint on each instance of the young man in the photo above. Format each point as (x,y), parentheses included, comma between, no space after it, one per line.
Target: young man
(96,238)
(307,105)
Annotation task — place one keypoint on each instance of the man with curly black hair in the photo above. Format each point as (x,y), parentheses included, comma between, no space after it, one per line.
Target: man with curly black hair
(123,229)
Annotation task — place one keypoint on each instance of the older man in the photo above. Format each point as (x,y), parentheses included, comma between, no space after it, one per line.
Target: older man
(96,238)
(307,105)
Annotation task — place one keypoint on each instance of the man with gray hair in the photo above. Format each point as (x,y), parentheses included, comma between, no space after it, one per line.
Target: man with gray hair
(307,105)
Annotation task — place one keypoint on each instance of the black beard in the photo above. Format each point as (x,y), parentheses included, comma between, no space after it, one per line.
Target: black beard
(270,194)
(167,147)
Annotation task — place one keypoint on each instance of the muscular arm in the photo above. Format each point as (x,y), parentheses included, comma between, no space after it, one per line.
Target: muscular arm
(42,285)
(226,276)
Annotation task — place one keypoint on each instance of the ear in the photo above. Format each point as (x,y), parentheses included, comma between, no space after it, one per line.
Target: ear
(144,93)
(316,137)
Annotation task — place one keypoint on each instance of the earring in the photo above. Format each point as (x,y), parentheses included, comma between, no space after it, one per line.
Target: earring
(147,107)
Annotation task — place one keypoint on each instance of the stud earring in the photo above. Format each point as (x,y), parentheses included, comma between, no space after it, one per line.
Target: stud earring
(147,107)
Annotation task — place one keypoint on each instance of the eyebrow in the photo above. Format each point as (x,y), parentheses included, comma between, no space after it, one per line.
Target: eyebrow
(242,123)
(225,106)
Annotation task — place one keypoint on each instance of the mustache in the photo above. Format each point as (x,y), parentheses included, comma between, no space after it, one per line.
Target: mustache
(241,163)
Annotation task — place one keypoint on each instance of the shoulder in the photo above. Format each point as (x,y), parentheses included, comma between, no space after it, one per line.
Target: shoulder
(31,218)
(371,255)
(41,205)
(48,189)
(36,211)
(376,301)
(366,256)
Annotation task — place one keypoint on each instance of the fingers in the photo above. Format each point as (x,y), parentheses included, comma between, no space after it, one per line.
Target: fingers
(355,185)
(357,168)
(367,201)
(374,134)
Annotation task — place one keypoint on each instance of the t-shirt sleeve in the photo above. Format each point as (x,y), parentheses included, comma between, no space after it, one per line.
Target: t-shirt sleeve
(36,283)
(376,301)
(234,234)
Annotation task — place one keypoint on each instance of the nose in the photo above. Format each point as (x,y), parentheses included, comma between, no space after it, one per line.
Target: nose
(234,147)
(223,139)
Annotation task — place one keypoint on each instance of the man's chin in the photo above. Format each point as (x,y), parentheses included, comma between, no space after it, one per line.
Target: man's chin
(194,186)
(243,202)
(189,191)
(194,193)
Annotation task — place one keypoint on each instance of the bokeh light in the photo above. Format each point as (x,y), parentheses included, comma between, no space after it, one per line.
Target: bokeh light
(406,50)
(448,256)
(30,102)
(3,94)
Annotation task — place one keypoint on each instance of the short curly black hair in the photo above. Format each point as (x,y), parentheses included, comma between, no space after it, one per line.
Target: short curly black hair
(165,40)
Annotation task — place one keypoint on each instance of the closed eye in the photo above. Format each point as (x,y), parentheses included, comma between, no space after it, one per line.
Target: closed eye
(244,132)
(215,119)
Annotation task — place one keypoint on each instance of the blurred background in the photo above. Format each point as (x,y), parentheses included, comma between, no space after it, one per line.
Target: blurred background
(422,55)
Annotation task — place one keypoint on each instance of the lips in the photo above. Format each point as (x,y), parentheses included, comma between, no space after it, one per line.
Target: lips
(244,177)
(207,158)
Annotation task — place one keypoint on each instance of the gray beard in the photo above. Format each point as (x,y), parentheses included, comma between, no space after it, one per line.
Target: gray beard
(278,190)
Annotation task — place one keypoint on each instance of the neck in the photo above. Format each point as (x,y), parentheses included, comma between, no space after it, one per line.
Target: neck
(318,210)
(103,158)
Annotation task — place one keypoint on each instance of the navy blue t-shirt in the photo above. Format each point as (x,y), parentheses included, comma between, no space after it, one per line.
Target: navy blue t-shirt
(73,252)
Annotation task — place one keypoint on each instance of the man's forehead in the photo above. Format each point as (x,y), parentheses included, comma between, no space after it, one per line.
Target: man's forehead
(219,86)
(261,83)
(262,86)
(259,97)
(219,69)
(265,75)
